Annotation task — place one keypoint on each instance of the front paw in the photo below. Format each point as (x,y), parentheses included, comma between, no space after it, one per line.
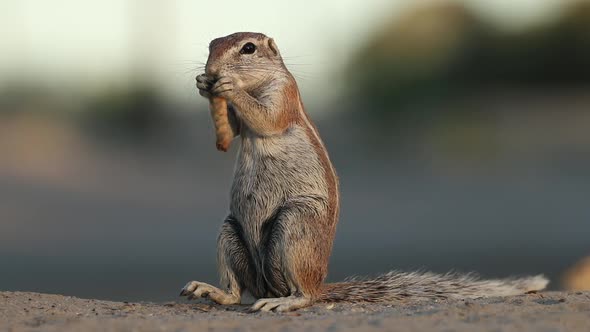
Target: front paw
(225,87)
(204,84)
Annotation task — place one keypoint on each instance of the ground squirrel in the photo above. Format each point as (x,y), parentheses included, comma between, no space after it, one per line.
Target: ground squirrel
(276,241)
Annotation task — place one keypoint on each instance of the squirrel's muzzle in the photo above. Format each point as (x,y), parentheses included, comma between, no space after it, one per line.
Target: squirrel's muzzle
(212,68)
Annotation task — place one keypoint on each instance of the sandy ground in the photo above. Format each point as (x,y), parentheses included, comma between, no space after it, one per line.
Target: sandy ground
(551,311)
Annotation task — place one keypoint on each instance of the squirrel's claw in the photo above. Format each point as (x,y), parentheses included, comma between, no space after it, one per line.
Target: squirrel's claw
(224,87)
(204,84)
(281,304)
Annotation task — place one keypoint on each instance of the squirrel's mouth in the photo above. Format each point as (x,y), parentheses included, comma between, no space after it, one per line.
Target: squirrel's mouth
(212,79)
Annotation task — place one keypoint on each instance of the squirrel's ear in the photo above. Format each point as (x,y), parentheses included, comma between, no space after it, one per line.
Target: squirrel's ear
(273,47)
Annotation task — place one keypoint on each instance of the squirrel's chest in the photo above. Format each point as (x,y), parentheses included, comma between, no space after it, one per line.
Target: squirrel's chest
(264,174)
(257,187)
(269,171)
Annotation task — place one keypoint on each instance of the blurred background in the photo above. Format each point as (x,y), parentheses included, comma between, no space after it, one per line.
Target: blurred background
(460,131)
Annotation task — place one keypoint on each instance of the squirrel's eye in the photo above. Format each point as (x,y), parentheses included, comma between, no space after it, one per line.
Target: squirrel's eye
(248,48)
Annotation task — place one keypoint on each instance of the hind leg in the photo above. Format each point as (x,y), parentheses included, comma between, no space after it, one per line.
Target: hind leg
(282,304)
(297,248)
(235,268)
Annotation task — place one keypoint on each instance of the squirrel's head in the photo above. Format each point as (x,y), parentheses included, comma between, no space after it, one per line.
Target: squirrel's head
(250,58)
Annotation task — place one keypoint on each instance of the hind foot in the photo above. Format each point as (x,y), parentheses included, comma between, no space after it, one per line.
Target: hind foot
(195,290)
(281,304)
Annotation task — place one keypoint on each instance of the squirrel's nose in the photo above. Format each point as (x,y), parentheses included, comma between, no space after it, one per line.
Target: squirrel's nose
(211,69)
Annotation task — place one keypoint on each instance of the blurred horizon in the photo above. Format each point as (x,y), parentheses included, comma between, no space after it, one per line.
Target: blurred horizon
(460,131)
(67,42)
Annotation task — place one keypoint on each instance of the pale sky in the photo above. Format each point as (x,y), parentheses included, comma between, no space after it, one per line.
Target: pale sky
(86,43)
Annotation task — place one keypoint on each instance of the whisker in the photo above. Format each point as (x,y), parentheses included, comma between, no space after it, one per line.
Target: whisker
(268,72)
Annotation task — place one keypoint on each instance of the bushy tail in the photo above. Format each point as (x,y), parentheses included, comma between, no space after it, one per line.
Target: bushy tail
(397,285)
